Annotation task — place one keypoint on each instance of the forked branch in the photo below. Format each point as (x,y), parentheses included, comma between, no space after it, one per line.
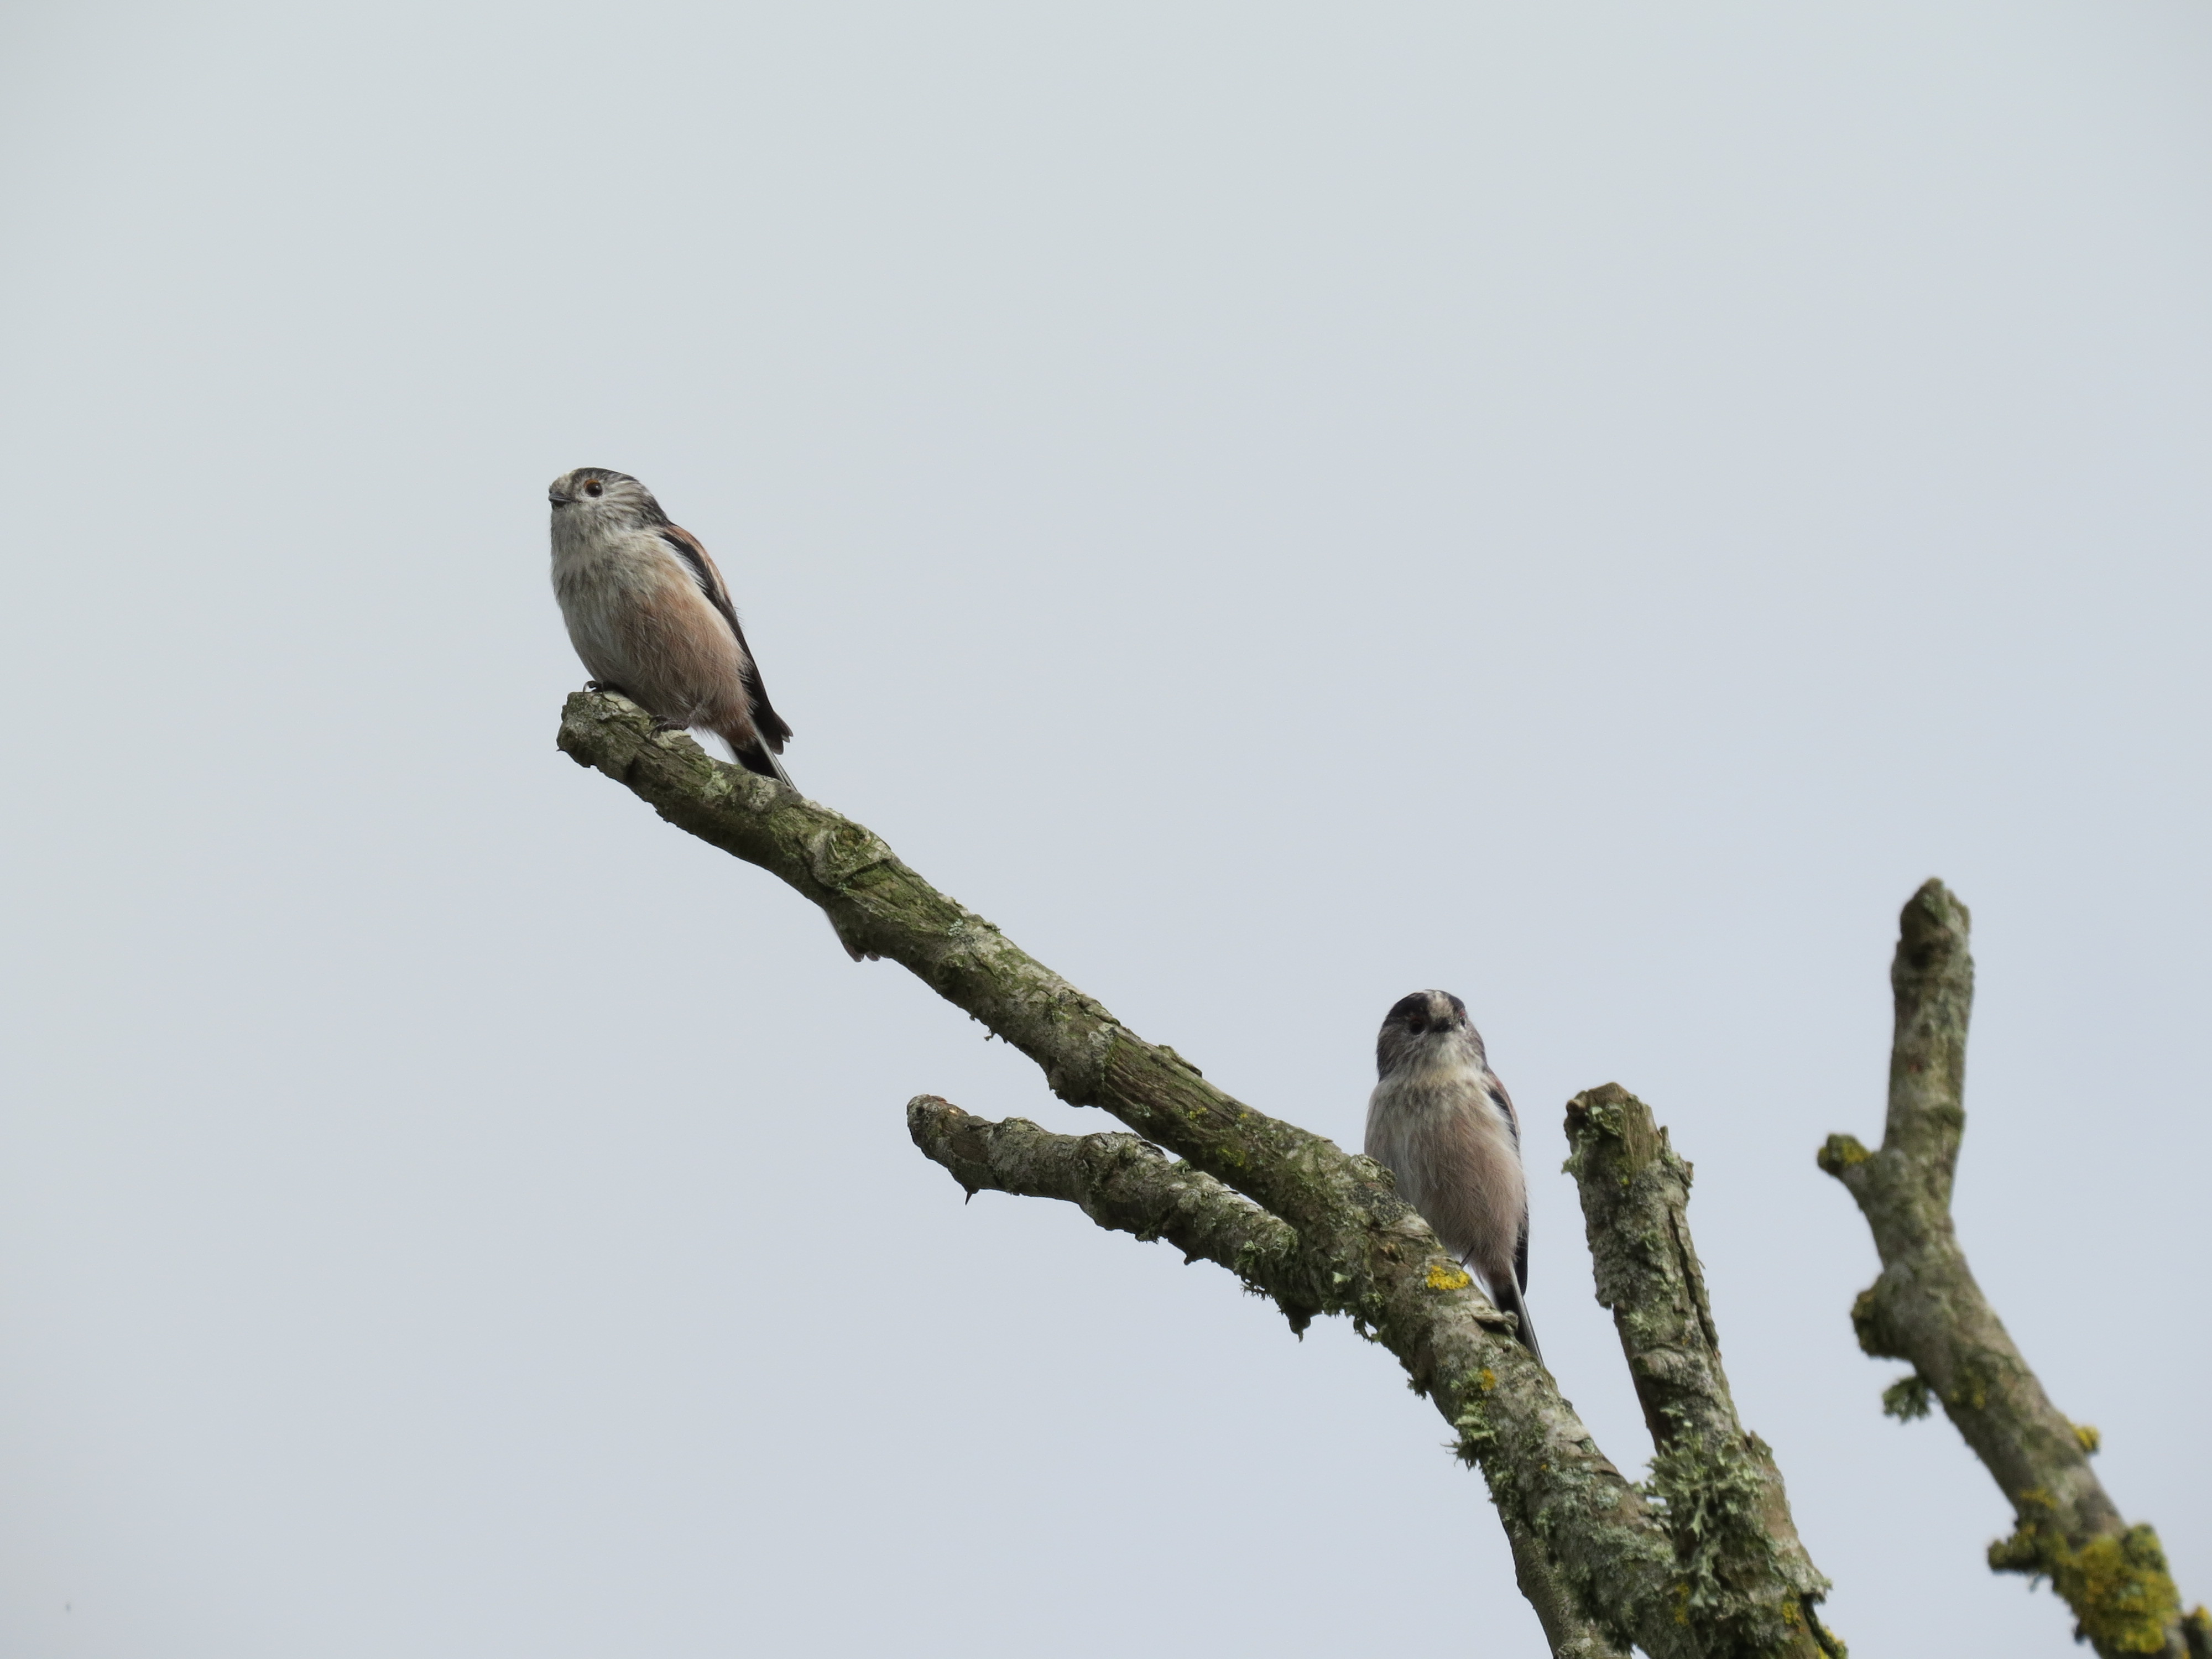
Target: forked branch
(1598,1560)
(1127,1185)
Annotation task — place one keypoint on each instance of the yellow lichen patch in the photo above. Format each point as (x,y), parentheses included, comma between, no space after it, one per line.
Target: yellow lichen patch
(1442,1276)
(2092,1441)
(2120,1590)
(1972,1392)
(1842,1152)
(1488,1379)
(2122,1595)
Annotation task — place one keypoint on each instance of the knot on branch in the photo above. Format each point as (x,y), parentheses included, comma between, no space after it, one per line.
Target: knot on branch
(837,854)
(1878,1337)
(2117,1585)
(1842,1154)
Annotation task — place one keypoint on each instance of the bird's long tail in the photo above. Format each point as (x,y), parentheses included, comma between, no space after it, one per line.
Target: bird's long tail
(1509,1300)
(755,757)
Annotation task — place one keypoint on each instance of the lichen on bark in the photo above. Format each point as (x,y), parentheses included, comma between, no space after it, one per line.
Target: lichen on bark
(1927,1309)
(1594,1553)
(2117,1585)
(1741,1570)
(1125,1184)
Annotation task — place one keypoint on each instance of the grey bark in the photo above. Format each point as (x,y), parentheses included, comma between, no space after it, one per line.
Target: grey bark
(1750,1578)
(1926,1308)
(1123,1183)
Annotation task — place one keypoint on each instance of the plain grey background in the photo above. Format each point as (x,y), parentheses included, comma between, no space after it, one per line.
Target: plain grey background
(1278,506)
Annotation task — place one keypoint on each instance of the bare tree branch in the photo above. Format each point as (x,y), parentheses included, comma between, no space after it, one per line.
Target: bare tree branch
(1720,1492)
(1124,1183)
(1382,1266)
(1927,1309)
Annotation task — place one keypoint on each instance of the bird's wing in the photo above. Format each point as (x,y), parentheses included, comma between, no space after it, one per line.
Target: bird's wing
(1503,1102)
(774,731)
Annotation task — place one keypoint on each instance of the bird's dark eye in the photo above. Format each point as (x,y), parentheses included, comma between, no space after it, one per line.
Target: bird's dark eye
(595,487)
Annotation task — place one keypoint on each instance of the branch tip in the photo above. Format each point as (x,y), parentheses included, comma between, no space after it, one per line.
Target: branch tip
(1926,1308)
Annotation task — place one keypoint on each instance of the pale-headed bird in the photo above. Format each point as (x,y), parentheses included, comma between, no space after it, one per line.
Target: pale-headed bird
(648,612)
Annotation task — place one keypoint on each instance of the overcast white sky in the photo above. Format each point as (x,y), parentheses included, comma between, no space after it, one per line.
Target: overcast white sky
(1278,506)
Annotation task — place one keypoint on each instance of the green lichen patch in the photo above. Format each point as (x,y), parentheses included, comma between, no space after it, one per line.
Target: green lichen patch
(2092,1441)
(1731,1582)
(1975,1381)
(1476,1433)
(1906,1399)
(2122,1597)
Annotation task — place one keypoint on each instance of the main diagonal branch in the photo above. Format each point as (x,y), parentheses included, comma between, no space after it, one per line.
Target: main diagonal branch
(1546,1475)
(1126,1184)
(1927,1309)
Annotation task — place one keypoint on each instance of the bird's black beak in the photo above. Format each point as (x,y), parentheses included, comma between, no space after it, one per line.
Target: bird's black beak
(557,498)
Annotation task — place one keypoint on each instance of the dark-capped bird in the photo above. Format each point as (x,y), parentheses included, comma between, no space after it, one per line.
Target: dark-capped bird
(1441,1123)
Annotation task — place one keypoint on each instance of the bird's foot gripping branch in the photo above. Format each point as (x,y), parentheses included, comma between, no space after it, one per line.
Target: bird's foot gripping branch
(1927,1309)
(1707,1566)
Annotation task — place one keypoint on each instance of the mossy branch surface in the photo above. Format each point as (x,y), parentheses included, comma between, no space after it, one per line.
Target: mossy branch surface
(1927,1309)
(1606,1553)
(1125,1184)
(1745,1574)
